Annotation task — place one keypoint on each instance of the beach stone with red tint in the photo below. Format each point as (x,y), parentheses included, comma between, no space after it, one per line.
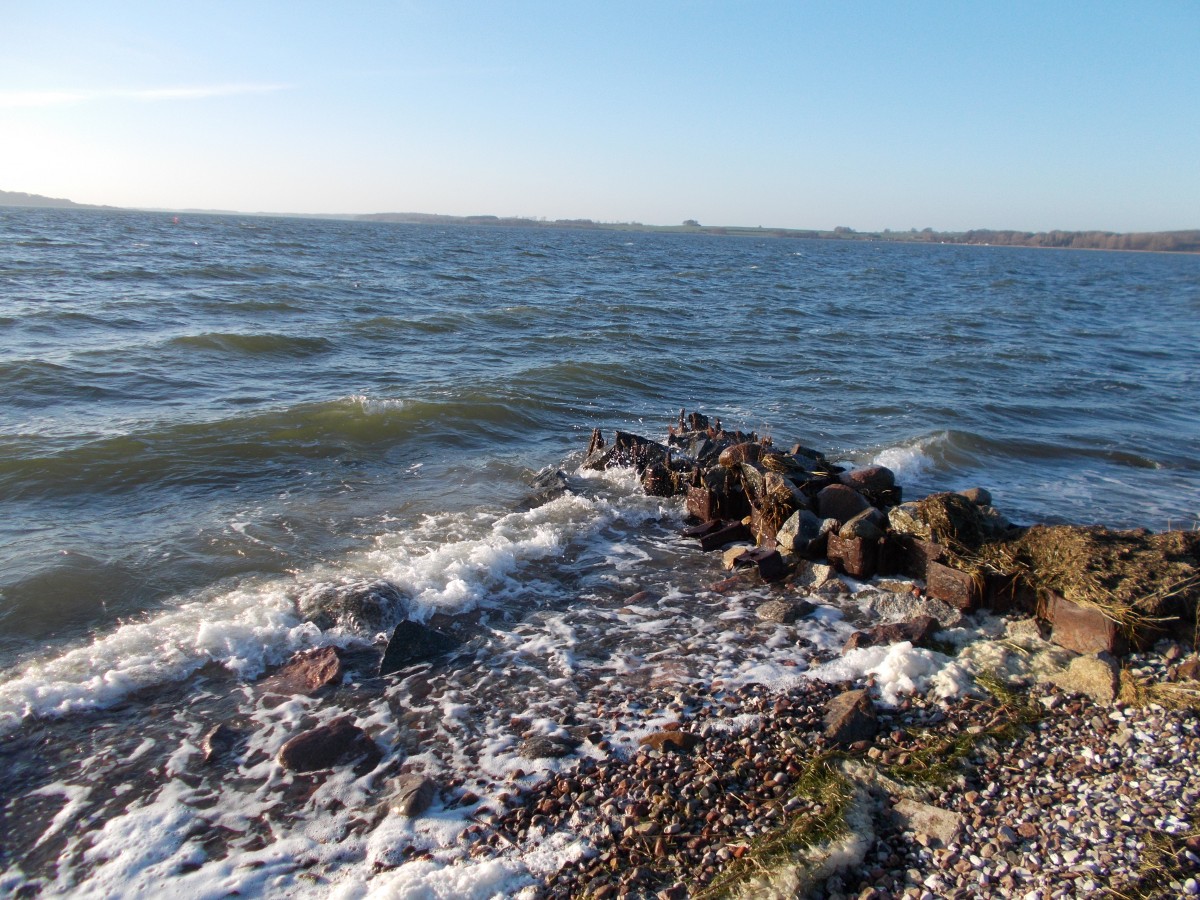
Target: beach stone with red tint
(679,741)
(307,672)
(726,534)
(918,631)
(1083,629)
(850,717)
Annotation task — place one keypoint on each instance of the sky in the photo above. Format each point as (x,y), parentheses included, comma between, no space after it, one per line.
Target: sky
(868,115)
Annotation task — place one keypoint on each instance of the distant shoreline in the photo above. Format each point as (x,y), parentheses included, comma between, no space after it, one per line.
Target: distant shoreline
(1187,241)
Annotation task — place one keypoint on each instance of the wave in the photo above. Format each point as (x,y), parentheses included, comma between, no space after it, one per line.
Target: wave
(950,449)
(241,448)
(268,344)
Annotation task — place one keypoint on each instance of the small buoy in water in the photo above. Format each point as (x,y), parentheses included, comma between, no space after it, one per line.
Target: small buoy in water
(177,220)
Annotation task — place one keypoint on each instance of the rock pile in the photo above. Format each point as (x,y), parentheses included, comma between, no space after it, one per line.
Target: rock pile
(1099,590)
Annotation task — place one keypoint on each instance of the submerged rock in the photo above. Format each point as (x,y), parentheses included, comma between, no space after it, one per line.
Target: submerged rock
(361,606)
(219,741)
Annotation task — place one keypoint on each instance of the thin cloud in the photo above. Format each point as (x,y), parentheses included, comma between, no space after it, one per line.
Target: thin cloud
(33,99)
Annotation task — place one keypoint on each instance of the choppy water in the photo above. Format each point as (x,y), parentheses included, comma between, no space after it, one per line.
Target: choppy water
(202,421)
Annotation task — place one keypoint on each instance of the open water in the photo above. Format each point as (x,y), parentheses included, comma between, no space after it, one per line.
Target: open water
(204,422)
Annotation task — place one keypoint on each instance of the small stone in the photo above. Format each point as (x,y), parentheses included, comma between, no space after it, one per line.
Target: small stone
(414,795)
(784,612)
(680,741)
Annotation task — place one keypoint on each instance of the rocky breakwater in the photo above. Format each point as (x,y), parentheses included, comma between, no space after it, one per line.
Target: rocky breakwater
(1099,591)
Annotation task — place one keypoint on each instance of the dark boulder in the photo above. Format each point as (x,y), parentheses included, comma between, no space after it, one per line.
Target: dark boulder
(869,478)
(218,742)
(414,794)
(543,747)
(413,643)
(840,502)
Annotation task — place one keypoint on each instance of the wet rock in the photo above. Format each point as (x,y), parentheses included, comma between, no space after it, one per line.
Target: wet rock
(217,742)
(307,672)
(748,452)
(719,495)
(361,606)
(769,563)
(731,554)
(1094,675)
(680,741)
(918,631)
(728,533)
(784,611)
(414,794)
(851,717)
(637,452)
(325,746)
(869,478)
(903,607)
(412,643)
(547,747)
(837,501)
(941,824)
(547,485)
(657,480)
(815,576)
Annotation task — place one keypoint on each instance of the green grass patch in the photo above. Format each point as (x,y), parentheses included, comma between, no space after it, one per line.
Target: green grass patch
(830,794)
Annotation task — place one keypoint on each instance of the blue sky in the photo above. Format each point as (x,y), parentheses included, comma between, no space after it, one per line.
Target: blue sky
(869,115)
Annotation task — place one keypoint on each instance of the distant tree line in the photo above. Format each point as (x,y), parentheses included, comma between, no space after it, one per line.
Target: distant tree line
(1162,241)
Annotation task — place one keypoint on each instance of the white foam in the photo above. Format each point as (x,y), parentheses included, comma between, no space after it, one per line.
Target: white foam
(244,629)
(899,669)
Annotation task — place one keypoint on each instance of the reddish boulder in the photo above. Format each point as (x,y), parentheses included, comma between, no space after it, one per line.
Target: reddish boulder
(952,586)
(857,557)
(869,478)
(918,631)
(307,672)
(679,741)
(1084,629)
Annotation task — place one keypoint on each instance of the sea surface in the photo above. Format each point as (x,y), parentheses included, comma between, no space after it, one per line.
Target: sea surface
(207,422)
